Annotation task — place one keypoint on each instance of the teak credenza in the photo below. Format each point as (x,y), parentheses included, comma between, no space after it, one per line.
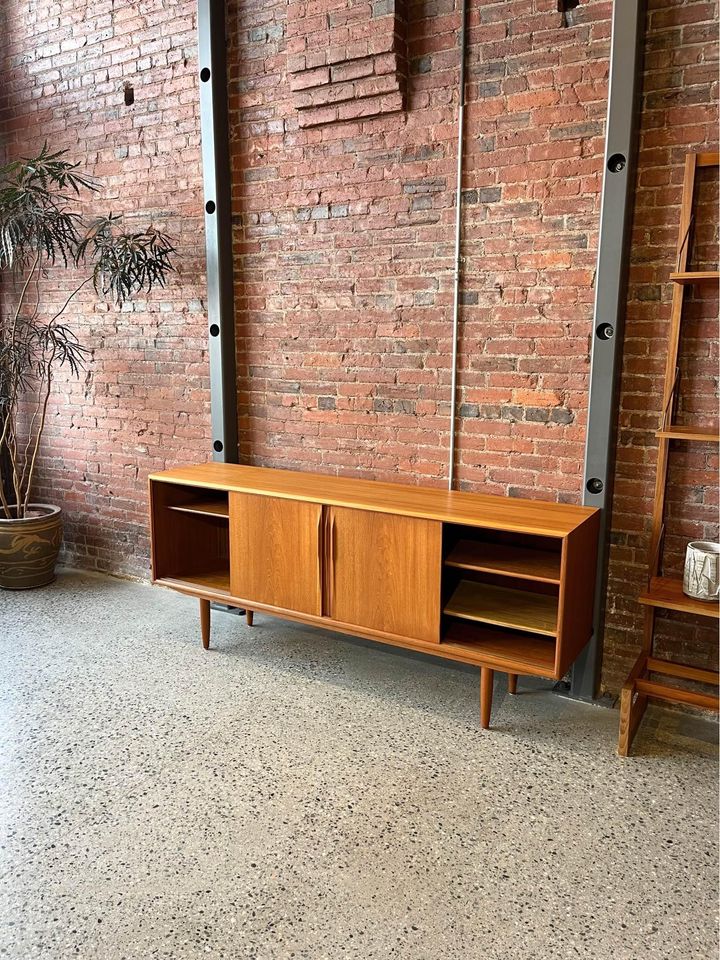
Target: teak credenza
(502,583)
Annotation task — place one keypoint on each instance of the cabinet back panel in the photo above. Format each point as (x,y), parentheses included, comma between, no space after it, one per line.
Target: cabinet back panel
(184,544)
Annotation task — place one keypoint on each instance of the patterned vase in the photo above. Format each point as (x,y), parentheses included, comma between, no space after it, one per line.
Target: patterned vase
(701,578)
(29,548)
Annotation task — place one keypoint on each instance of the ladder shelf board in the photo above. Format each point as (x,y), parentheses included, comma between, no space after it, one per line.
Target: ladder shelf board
(525,563)
(683,432)
(505,607)
(667,592)
(664,691)
(682,671)
(511,651)
(208,508)
(687,277)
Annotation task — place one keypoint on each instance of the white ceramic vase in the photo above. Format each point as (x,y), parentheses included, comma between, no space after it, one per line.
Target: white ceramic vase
(701,578)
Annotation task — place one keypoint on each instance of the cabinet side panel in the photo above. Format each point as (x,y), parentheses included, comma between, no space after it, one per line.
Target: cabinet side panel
(386,572)
(275,552)
(577,592)
(152,496)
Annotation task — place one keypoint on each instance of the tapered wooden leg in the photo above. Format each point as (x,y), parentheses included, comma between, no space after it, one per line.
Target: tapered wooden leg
(205,623)
(486,692)
(512,682)
(249,617)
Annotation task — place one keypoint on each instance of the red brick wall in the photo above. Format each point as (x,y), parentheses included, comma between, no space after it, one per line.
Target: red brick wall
(143,402)
(344,251)
(343,245)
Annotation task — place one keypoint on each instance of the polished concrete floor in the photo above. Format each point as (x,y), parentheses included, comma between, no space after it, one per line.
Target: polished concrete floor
(292,794)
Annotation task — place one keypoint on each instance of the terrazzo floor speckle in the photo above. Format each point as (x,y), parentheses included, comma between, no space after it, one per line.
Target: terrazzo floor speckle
(293,794)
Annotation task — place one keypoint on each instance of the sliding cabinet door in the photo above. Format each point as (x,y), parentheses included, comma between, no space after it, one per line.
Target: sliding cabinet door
(383,572)
(275,552)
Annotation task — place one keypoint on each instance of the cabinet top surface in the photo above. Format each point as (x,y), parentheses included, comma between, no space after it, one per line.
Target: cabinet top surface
(473,509)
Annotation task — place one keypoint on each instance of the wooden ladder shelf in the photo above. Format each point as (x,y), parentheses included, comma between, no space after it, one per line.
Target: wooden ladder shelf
(666,592)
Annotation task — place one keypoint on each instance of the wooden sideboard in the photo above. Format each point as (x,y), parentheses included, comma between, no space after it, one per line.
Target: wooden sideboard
(502,583)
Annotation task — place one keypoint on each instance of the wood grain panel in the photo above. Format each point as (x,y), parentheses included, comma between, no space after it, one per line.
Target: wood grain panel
(505,607)
(691,434)
(215,582)
(663,691)
(384,572)
(667,593)
(695,276)
(212,508)
(458,507)
(577,592)
(521,562)
(682,671)
(504,649)
(275,552)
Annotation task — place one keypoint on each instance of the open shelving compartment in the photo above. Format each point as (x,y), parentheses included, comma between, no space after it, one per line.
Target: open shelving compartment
(501,597)
(194,532)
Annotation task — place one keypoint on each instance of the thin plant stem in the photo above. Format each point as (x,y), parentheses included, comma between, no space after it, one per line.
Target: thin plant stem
(64,307)
(39,434)
(3,498)
(30,434)
(25,484)
(12,447)
(12,404)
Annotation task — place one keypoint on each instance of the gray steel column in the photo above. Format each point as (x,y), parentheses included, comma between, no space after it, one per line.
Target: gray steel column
(218,228)
(610,297)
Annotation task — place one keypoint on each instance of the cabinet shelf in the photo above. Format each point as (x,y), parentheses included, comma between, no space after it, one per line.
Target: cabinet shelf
(207,508)
(698,434)
(523,563)
(215,581)
(505,649)
(667,592)
(505,607)
(687,277)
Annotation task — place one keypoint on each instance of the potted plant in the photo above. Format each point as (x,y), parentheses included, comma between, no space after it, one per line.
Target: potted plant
(43,234)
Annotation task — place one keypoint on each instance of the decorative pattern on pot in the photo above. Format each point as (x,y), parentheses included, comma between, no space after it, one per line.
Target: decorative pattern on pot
(701,578)
(29,548)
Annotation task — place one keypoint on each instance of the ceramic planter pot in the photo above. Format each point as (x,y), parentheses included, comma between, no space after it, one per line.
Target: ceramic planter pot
(29,548)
